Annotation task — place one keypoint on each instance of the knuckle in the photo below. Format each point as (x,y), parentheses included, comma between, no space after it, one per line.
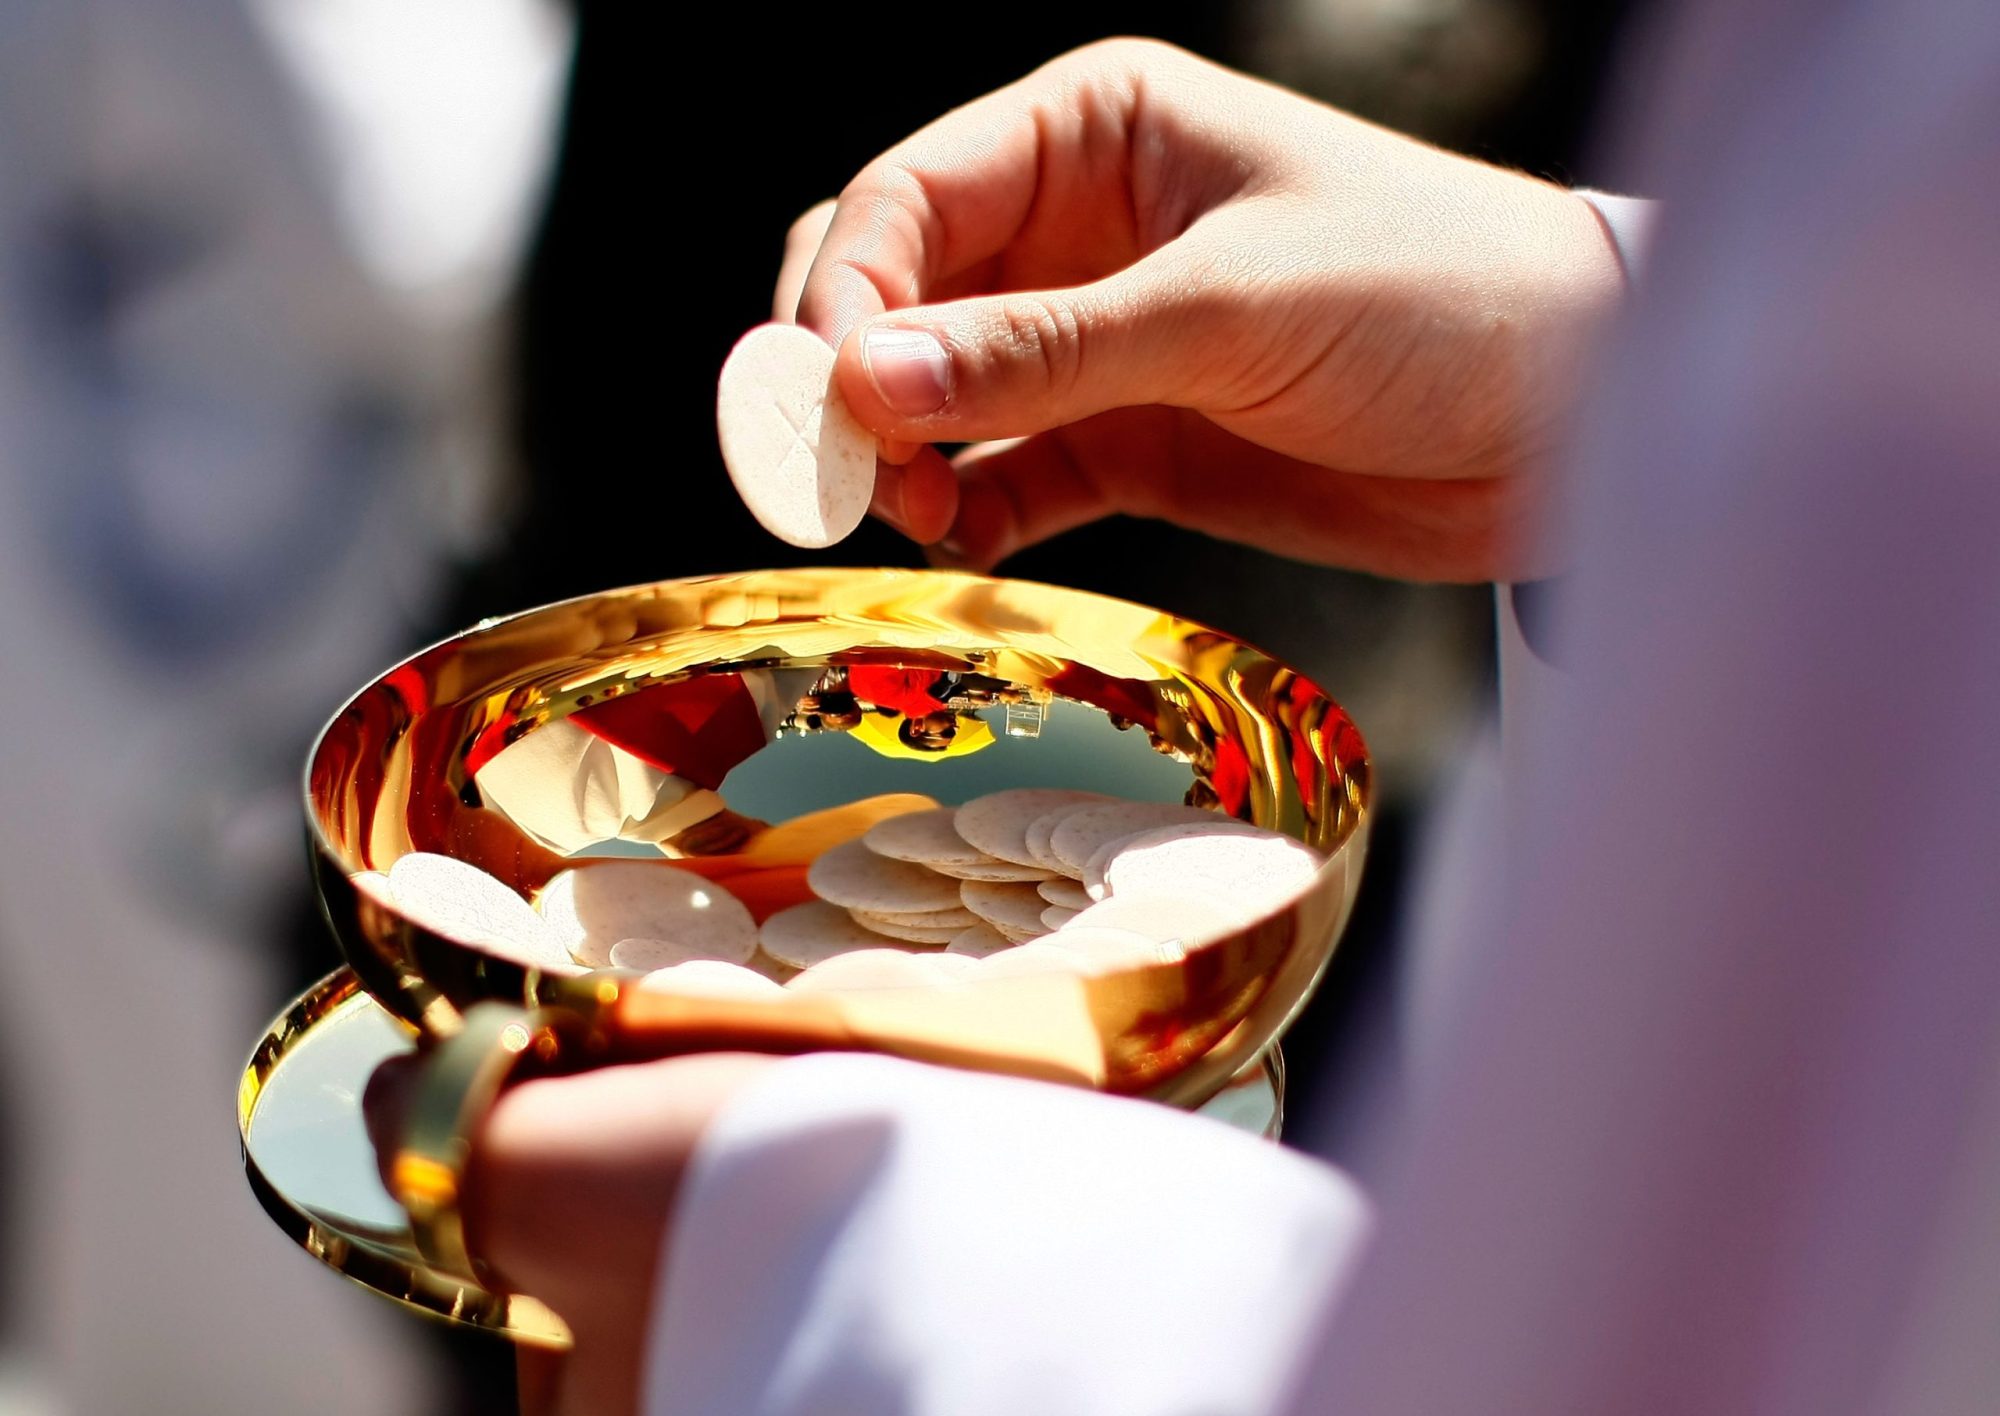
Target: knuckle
(1111,66)
(885,183)
(810,225)
(1043,338)
(873,190)
(1130,52)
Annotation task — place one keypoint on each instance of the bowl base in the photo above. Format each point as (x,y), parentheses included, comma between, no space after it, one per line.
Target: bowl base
(308,1158)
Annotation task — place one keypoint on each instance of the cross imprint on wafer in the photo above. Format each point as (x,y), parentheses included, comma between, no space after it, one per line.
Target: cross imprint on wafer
(810,486)
(802,440)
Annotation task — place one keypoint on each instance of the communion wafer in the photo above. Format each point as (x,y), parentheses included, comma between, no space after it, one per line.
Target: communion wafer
(901,927)
(1036,837)
(798,458)
(956,919)
(1186,918)
(1021,936)
(943,968)
(1255,871)
(854,875)
(925,837)
(592,907)
(950,967)
(866,968)
(1004,904)
(648,955)
(998,822)
(1082,832)
(808,934)
(1094,883)
(373,885)
(979,941)
(711,978)
(992,871)
(461,901)
(1067,893)
(1109,947)
(1029,959)
(1056,916)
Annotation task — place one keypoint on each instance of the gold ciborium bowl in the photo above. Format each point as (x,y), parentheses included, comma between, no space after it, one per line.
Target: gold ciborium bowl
(736,725)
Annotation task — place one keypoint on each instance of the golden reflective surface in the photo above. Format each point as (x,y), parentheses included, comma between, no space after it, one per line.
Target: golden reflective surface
(735,726)
(310,1162)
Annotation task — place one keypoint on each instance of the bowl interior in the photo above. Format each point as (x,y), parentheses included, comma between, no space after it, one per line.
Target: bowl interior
(736,725)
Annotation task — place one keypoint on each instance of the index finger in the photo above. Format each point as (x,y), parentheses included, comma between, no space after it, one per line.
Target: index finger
(960,190)
(802,243)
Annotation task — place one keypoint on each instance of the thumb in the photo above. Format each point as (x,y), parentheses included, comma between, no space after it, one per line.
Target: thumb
(1002,366)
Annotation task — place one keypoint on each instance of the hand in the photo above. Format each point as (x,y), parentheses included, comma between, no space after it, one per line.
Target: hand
(568,1194)
(1201,298)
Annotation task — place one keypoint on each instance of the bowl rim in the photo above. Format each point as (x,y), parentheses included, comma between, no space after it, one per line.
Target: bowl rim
(318,836)
(324,852)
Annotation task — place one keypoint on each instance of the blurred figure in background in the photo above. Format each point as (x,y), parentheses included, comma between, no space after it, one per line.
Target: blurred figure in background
(254,259)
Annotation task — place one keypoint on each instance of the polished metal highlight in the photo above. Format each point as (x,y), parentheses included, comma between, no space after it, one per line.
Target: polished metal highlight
(396,771)
(828,695)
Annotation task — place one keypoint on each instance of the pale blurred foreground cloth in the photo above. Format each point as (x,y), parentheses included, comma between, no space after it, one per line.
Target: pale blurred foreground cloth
(253,264)
(1714,1126)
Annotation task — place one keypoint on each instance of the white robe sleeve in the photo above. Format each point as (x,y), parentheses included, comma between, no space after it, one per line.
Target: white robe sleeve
(1628,221)
(570,789)
(1717,1130)
(1527,678)
(858,1234)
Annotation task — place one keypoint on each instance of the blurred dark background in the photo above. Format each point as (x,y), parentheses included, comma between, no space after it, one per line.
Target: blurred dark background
(684,160)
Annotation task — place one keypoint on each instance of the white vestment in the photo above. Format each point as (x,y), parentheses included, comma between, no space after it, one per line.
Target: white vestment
(1712,1122)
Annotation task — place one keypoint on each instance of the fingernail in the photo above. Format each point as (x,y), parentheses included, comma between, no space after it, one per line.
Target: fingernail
(947,554)
(909,369)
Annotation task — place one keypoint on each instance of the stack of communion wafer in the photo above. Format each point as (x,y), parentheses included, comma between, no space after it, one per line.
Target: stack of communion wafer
(1034,880)
(673,925)
(1030,881)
